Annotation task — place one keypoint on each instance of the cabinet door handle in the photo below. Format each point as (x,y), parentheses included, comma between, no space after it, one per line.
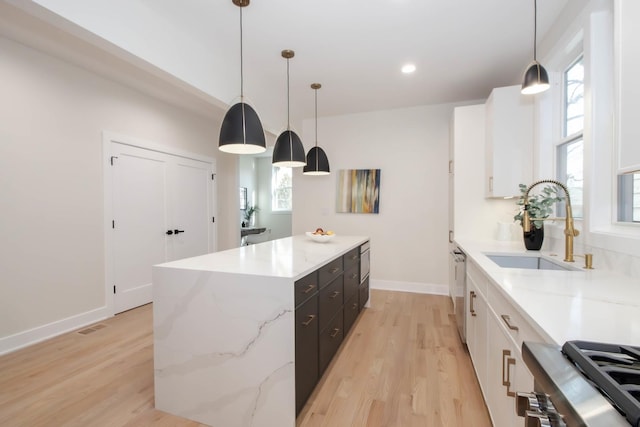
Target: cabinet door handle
(354,306)
(507,320)
(354,276)
(335,333)
(309,289)
(334,270)
(334,294)
(491,183)
(355,257)
(450,236)
(309,320)
(472,296)
(505,368)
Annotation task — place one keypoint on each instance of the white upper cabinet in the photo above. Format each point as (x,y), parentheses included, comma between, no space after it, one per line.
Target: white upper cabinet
(509,141)
(627,16)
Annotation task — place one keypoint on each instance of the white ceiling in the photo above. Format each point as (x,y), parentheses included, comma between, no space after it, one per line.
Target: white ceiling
(354,48)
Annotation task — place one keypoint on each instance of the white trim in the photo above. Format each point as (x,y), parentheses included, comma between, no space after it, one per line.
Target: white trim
(415,287)
(108,136)
(41,333)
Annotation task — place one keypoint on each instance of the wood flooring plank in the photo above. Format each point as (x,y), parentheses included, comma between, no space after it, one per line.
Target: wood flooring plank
(402,365)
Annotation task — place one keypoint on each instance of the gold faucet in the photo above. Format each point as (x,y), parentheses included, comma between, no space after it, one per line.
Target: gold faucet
(569,231)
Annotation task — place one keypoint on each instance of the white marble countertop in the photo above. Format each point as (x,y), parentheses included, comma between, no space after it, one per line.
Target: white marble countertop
(592,305)
(291,257)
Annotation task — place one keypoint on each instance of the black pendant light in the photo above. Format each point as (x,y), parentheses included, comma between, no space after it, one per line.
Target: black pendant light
(241,131)
(317,161)
(535,78)
(288,151)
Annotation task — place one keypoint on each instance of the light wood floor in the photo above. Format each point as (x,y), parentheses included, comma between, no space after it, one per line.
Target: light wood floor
(402,365)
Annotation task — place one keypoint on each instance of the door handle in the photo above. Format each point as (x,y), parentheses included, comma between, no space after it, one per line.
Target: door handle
(170,232)
(178,231)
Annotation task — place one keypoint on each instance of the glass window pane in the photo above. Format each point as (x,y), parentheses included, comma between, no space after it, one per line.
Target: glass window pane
(282,194)
(570,171)
(574,98)
(629,197)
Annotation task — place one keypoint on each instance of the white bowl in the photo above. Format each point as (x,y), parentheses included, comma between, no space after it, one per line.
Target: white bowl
(320,238)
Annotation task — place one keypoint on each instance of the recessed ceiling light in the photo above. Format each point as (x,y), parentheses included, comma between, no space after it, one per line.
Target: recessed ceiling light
(408,68)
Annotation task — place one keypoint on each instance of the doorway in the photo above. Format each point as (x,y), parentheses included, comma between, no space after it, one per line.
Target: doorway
(160,208)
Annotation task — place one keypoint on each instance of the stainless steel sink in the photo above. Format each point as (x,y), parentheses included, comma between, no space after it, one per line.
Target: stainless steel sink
(531,262)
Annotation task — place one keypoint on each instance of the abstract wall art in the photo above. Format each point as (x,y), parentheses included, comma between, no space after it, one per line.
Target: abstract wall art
(358,191)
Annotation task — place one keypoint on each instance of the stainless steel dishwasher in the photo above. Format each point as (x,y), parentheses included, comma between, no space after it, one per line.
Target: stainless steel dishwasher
(460,263)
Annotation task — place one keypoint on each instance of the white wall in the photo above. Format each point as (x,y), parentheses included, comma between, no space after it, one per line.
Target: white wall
(53,114)
(409,236)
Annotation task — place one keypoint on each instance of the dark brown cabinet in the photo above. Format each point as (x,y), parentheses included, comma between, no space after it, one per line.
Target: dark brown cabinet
(330,339)
(351,311)
(328,302)
(307,368)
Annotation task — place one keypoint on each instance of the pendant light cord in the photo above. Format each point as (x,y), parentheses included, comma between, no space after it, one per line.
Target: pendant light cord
(241,62)
(288,120)
(316,91)
(535,28)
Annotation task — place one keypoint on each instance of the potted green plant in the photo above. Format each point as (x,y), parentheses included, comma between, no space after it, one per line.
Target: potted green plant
(540,206)
(248,213)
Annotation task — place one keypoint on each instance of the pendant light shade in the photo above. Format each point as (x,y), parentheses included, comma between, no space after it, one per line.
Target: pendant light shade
(241,131)
(288,151)
(317,161)
(535,79)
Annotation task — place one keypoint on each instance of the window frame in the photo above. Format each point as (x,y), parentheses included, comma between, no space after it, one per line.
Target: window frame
(563,139)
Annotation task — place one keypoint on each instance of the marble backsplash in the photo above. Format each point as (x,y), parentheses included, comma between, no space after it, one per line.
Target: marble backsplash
(605,259)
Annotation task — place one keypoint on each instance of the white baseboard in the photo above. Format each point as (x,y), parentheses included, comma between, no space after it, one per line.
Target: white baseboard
(23,339)
(419,288)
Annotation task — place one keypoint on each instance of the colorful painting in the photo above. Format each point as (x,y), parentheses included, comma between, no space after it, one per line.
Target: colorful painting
(358,191)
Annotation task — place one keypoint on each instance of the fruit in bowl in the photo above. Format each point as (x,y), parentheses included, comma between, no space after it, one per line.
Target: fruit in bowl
(320,235)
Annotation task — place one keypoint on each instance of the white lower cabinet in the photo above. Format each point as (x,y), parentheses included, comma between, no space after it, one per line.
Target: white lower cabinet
(494,340)
(507,374)
(476,313)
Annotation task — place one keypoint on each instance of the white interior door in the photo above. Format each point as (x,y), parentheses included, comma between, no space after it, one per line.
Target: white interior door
(162,209)
(140,222)
(190,201)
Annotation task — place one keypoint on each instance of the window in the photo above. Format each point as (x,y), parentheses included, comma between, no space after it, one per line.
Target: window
(281,189)
(570,150)
(629,197)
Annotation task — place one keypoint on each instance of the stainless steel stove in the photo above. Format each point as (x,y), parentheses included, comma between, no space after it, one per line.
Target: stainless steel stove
(582,384)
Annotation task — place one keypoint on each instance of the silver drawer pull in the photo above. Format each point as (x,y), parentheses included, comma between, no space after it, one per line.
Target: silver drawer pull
(472,296)
(354,276)
(309,289)
(354,306)
(335,333)
(334,294)
(507,321)
(334,270)
(309,320)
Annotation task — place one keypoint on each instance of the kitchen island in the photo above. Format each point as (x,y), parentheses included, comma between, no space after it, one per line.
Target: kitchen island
(224,330)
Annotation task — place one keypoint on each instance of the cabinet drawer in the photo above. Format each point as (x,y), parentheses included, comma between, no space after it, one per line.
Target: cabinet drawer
(331,300)
(351,258)
(351,310)
(351,281)
(330,339)
(478,277)
(307,335)
(330,271)
(364,293)
(306,287)
(511,318)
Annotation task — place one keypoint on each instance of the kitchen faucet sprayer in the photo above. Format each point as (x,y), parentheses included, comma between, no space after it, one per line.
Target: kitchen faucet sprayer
(569,231)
